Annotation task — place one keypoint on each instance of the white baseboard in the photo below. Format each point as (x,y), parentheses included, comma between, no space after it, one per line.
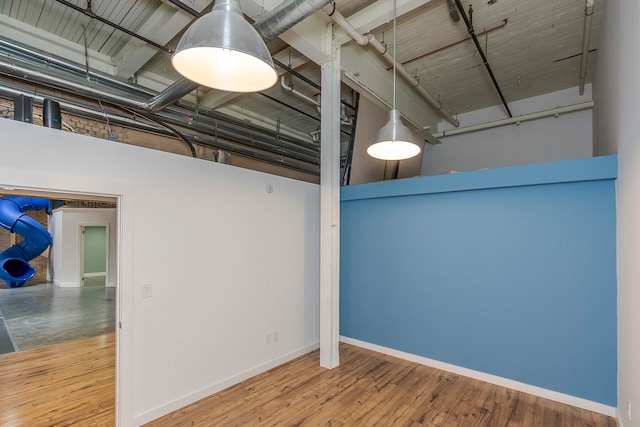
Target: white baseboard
(214,388)
(489,378)
(67,284)
(98,274)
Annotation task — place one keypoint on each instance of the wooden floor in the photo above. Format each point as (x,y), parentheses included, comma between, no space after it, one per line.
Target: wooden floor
(73,384)
(371,389)
(60,385)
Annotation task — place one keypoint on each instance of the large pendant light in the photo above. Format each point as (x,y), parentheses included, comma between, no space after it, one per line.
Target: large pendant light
(221,50)
(394,141)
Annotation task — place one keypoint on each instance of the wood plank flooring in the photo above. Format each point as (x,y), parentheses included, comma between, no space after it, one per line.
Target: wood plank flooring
(73,384)
(372,389)
(60,385)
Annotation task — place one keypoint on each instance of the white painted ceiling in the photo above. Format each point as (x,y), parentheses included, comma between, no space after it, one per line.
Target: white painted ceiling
(533,47)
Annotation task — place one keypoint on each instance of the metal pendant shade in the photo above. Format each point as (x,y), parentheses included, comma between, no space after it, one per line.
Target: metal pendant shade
(221,50)
(394,141)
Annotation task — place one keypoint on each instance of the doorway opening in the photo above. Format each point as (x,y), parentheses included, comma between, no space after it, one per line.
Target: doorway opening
(57,314)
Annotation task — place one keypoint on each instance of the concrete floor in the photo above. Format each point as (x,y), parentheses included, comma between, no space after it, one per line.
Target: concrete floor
(44,314)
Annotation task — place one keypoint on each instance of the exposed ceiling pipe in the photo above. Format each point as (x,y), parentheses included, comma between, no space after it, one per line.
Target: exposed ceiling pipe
(37,57)
(482,55)
(286,15)
(39,60)
(186,8)
(177,90)
(27,72)
(90,13)
(270,26)
(306,80)
(453,12)
(79,109)
(219,141)
(249,135)
(440,49)
(300,95)
(362,40)
(517,120)
(588,14)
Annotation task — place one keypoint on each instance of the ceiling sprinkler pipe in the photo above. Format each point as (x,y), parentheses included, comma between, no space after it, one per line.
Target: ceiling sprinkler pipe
(339,19)
(401,69)
(588,14)
(300,95)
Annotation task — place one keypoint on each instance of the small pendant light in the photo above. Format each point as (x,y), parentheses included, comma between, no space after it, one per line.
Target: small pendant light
(394,141)
(221,50)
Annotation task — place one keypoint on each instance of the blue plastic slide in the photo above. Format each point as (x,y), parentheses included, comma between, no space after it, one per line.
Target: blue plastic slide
(14,262)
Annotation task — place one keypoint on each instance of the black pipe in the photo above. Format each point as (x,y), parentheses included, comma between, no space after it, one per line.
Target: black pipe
(151,118)
(186,8)
(88,12)
(297,110)
(484,58)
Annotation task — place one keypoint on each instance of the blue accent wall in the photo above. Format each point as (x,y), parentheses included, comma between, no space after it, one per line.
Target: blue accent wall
(509,271)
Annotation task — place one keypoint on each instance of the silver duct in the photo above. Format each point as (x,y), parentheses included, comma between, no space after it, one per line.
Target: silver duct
(27,72)
(249,138)
(37,57)
(285,16)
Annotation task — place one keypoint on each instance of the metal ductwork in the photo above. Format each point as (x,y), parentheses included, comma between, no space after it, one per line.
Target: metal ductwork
(270,26)
(211,128)
(285,16)
(173,92)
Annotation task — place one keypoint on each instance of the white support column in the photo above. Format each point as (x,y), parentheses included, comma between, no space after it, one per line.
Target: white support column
(330,205)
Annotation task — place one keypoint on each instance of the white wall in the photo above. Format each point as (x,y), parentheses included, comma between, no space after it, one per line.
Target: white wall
(227,261)
(568,136)
(617,98)
(65,254)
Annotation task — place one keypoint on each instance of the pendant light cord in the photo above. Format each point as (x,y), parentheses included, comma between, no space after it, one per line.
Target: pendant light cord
(394,54)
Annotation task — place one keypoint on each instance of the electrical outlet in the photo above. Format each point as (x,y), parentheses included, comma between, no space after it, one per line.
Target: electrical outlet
(629,410)
(276,336)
